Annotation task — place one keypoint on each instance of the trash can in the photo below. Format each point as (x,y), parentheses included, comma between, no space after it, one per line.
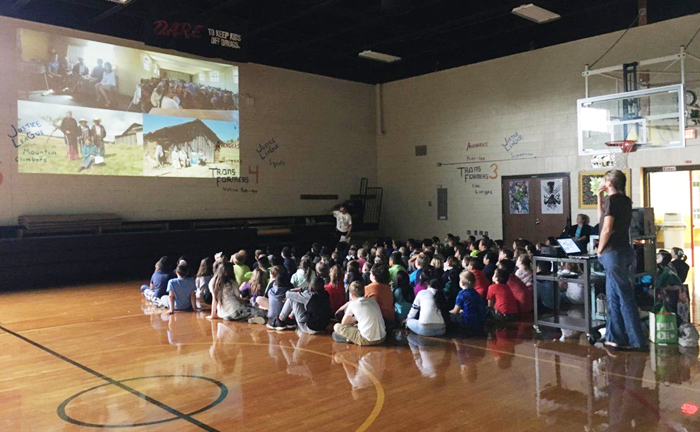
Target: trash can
(674,230)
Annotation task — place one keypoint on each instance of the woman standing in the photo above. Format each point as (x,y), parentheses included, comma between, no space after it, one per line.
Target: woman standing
(623,327)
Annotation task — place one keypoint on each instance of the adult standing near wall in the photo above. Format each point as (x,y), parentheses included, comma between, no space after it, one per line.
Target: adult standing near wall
(70,130)
(343,225)
(623,326)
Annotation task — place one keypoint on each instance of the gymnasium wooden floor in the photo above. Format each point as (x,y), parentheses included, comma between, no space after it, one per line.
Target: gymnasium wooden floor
(97,357)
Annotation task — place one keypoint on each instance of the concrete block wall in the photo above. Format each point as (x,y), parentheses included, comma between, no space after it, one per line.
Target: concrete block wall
(329,138)
(325,129)
(529,98)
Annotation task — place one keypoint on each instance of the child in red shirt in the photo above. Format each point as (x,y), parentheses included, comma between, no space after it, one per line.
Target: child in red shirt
(521,292)
(476,267)
(336,289)
(501,301)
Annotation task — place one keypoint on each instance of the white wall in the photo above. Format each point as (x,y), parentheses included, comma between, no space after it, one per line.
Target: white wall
(325,129)
(533,94)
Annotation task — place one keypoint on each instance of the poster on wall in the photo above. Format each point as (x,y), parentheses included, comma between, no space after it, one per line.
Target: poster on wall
(519,197)
(551,196)
(588,183)
(92,108)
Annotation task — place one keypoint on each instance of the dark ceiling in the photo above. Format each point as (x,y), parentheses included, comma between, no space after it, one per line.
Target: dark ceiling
(325,36)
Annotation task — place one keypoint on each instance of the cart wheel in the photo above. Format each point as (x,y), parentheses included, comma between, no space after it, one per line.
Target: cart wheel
(537,330)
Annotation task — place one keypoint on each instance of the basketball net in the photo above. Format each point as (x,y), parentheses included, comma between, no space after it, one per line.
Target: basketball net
(619,152)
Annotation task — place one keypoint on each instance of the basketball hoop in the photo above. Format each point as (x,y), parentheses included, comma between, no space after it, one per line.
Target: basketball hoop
(620,151)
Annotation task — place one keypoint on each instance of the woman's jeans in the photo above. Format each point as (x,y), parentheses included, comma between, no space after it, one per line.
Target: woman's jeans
(623,325)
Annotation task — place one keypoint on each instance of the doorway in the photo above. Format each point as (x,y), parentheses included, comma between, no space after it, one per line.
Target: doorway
(674,193)
(535,206)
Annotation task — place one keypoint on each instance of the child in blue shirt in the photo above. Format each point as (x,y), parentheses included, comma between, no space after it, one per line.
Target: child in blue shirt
(181,291)
(276,297)
(419,263)
(469,313)
(159,282)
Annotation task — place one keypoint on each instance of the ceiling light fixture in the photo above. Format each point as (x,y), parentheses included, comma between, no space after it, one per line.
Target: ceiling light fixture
(123,2)
(372,55)
(535,13)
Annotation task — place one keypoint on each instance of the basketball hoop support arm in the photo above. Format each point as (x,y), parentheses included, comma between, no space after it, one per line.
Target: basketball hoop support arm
(681,56)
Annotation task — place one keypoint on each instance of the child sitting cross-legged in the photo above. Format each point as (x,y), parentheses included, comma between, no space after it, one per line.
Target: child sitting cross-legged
(261,301)
(276,296)
(310,308)
(524,269)
(362,323)
(335,288)
(227,302)
(403,295)
(420,261)
(302,277)
(181,291)
(521,292)
(255,287)
(324,272)
(482,284)
(204,275)
(469,313)
(502,304)
(157,289)
(452,286)
(240,269)
(432,306)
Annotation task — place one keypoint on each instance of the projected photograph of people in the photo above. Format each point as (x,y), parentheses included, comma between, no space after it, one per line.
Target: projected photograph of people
(71,71)
(59,139)
(187,147)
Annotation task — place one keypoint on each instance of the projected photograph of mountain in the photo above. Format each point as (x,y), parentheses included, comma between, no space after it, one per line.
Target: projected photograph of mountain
(56,139)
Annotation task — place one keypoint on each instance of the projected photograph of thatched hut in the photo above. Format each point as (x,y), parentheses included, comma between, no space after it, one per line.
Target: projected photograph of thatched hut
(185,147)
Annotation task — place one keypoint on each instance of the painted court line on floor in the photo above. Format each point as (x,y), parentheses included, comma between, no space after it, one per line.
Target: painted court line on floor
(113,382)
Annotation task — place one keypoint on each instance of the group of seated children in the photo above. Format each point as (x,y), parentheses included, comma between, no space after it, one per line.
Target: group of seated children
(168,93)
(429,287)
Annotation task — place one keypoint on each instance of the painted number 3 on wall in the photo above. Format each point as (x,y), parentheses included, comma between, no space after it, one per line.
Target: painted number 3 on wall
(494,174)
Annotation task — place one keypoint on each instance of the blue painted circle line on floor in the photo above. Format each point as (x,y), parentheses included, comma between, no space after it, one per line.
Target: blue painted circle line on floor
(223,392)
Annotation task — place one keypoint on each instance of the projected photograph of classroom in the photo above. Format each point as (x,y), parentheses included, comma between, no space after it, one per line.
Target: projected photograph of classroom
(60,139)
(85,105)
(77,72)
(187,147)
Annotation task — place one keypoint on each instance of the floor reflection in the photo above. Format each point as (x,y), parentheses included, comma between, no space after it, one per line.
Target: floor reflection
(430,355)
(581,385)
(359,364)
(576,386)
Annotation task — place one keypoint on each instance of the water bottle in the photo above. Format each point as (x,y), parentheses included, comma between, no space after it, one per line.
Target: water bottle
(601,305)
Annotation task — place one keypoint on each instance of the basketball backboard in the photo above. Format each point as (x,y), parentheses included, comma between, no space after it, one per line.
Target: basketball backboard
(654,118)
